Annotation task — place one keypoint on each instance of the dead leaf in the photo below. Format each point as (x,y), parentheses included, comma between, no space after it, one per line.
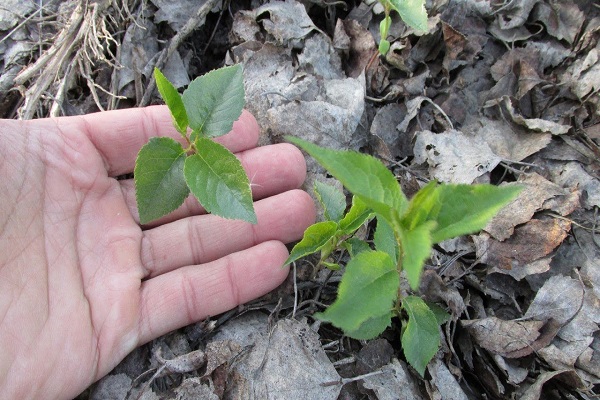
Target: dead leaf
(511,339)
(536,191)
(529,246)
(535,124)
(563,20)
(288,22)
(13,11)
(510,142)
(289,364)
(560,299)
(244,28)
(583,76)
(435,290)
(443,384)
(395,379)
(176,13)
(514,13)
(384,126)
(453,156)
(572,174)
(534,391)
(319,58)
(460,48)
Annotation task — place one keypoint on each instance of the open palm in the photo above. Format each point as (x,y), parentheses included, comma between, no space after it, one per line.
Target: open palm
(82,284)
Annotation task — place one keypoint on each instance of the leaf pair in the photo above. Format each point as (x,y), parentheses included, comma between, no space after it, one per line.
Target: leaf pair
(325,236)
(165,172)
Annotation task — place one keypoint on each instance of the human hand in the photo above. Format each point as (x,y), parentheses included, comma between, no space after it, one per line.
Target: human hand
(82,284)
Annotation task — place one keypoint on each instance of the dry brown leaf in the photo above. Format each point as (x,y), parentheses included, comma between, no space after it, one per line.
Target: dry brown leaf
(511,339)
(563,20)
(460,48)
(362,46)
(536,191)
(530,243)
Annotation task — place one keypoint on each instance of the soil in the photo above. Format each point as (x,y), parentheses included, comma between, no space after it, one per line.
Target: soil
(494,92)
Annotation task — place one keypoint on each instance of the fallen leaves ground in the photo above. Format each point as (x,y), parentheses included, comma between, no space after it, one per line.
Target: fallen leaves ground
(504,93)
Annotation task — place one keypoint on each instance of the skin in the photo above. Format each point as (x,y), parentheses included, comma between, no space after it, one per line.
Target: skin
(82,284)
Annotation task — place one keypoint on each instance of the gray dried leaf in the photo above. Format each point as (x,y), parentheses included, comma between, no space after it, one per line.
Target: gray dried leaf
(573,175)
(454,156)
(443,383)
(560,299)
(289,363)
(535,124)
(176,13)
(13,11)
(562,20)
(394,381)
(534,391)
(139,46)
(192,389)
(515,13)
(583,75)
(511,143)
(320,58)
(288,21)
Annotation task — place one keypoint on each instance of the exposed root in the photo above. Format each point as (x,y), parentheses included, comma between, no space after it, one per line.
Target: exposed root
(84,41)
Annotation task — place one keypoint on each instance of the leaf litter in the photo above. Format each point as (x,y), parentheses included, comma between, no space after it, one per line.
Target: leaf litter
(500,92)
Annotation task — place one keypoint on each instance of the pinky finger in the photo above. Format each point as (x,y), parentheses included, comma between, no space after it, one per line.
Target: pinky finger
(190,294)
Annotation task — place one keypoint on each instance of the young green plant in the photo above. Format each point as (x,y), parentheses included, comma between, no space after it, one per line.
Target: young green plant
(166,172)
(406,230)
(412,12)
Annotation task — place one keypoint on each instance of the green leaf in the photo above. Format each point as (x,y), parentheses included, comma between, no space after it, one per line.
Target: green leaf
(363,175)
(385,240)
(441,316)
(158,174)
(331,266)
(421,339)
(214,101)
(412,12)
(468,208)
(217,179)
(357,215)
(355,246)
(370,328)
(384,47)
(416,248)
(332,200)
(366,294)
(173,100)
(315,238)
(423,207)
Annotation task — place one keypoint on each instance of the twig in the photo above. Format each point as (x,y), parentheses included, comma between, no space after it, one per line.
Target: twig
(183,33)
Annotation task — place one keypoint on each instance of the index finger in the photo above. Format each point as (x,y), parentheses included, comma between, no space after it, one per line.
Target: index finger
(118,135)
